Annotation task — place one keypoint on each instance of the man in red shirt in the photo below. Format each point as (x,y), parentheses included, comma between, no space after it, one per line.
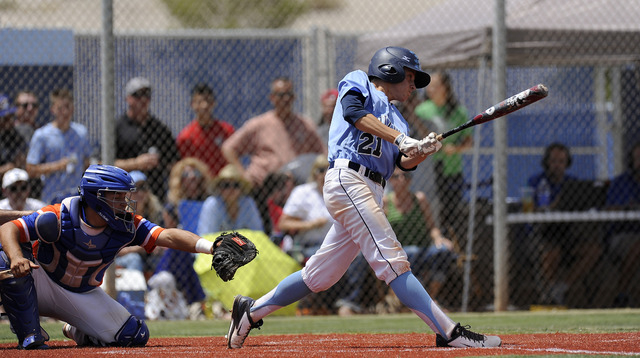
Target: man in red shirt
(203,137)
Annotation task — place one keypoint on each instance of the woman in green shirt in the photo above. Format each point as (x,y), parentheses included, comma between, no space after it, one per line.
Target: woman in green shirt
(441,112)
(431,254)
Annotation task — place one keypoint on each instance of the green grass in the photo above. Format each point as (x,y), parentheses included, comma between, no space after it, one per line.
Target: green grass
(569,321)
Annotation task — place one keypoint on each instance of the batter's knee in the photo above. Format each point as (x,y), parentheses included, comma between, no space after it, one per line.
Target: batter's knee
(134,333)
(318,284)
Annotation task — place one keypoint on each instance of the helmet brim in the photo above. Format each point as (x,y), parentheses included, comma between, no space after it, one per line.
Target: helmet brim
(422,79)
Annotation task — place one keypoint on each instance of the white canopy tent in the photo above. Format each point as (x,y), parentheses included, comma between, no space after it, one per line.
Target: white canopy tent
(456,33)
(460,34)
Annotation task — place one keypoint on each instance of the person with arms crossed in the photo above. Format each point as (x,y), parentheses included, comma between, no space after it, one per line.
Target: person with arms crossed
(272,140)
(367,140)
(60,151)
(74,242)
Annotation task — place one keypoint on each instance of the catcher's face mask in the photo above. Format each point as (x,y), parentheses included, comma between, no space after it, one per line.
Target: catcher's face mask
(121,209)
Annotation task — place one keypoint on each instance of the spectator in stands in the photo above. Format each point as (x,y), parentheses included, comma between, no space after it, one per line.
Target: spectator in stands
(567,252)
(327,104)
(59,151)
(27,105)
(143,142)
(16,189)
(305,216)
(203,137)
(230,207)
(442,112)
(624,237)
(278,187)
(306,220)
(189,183)
(431,255)
(271,140)
(12,146)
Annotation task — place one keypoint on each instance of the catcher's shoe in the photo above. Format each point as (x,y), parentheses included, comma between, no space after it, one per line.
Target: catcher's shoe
(462,337)
(241,322)
(75,335)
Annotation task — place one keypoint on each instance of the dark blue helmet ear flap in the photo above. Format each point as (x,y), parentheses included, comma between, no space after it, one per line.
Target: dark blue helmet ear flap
(388,65)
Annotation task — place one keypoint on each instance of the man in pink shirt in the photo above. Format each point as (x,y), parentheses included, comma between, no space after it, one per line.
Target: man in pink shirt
(271,140)
(203,137)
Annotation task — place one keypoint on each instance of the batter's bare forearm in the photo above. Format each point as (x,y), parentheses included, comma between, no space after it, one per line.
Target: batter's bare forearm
(372,125)
(408,163)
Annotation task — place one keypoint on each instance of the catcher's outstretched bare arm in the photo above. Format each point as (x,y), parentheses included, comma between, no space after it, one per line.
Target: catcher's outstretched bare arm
(230,250)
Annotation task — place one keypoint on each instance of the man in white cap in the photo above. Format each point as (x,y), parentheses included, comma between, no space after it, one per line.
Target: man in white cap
(143,142)
(16,189)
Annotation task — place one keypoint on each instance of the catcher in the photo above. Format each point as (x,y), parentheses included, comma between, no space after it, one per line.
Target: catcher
(52,262)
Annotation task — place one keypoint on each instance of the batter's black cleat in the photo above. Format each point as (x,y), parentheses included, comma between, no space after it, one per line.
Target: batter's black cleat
(462,337)
(241,322)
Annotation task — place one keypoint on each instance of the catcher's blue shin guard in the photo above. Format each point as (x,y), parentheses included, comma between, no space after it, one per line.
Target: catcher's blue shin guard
(134,333)
(20,302)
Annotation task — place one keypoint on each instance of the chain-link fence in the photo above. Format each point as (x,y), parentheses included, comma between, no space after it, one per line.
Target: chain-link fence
(197,84)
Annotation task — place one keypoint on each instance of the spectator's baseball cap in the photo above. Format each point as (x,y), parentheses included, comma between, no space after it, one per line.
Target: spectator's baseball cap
(137,176)
(332,93)
(13,176)
(5,106)
(137,83)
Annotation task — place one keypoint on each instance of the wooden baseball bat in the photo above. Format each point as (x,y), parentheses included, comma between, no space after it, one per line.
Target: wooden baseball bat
(503,108)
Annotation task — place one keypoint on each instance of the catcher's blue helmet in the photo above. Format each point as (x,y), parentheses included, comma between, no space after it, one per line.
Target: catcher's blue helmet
(97,181)
(388,65)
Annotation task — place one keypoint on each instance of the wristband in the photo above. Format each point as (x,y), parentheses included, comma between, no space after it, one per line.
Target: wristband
(204,246)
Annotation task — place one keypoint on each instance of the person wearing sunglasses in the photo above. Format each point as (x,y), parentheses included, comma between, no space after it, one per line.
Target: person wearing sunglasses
(27,109)
(16,190)
(12,145)
(230,207)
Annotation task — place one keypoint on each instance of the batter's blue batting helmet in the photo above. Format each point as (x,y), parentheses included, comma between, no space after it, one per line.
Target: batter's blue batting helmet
(97,181)
(388,65)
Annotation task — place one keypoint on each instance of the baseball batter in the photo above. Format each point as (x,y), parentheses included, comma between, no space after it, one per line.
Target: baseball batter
(367,140)
(74,242)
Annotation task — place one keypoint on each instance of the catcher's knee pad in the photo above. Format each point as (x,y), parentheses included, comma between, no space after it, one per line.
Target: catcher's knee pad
(134,333)
(20,302)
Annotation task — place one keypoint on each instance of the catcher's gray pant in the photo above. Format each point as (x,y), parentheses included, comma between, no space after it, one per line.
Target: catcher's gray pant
(94,313)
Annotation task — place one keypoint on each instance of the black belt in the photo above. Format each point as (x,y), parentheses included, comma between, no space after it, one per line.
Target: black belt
(375,176)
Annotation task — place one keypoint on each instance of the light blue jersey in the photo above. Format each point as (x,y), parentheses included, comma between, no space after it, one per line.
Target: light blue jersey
(347,142)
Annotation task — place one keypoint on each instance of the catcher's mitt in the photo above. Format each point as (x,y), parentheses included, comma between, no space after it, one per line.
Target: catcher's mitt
(231,251)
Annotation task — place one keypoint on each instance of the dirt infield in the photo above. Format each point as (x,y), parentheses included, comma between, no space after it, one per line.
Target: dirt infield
(351,345)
